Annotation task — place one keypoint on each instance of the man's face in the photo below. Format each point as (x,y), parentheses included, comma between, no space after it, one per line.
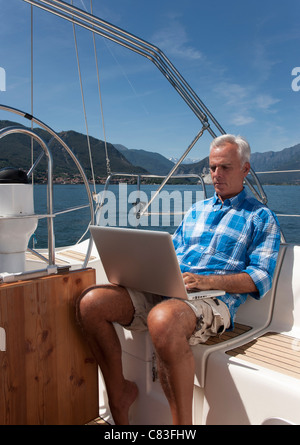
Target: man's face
(226,170)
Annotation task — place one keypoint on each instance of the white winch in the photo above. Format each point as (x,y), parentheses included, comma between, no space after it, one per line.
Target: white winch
(17,219)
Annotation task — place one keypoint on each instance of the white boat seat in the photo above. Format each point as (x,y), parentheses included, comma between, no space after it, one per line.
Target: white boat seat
(254,316)
(286,314)
(264,367)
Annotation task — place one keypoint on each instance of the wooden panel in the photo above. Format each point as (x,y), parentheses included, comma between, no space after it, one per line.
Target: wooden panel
(277,352)
(48,375)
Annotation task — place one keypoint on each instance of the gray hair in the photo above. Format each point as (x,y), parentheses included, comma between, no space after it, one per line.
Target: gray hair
(244,150)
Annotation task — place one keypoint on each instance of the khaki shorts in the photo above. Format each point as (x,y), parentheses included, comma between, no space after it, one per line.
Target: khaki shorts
(213,316)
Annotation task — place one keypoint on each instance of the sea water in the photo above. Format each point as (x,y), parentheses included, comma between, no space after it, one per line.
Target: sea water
(69,227)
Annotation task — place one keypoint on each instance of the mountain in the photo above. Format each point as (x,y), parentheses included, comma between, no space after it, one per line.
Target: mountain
(155,162)
(195,168)
(286,159)
(15,152)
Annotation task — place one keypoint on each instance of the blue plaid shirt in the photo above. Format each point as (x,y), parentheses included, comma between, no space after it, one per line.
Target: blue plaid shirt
(242,235)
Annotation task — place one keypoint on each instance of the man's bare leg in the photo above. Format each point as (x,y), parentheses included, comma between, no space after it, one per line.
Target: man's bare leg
(171,324)
(97,309)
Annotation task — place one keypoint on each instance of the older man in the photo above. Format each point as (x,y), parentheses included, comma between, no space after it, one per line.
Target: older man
(227,242)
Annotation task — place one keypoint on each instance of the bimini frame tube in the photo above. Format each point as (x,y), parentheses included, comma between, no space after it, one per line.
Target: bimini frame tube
(135,44)
(151,52)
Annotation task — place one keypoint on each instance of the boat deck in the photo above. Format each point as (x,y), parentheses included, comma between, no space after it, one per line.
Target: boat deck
(274,351)
(63,257)
(239,329)
(278,352)
(98,421)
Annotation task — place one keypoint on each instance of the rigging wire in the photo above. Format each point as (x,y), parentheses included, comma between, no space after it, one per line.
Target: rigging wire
(83,104)
(108,169)
(101,104)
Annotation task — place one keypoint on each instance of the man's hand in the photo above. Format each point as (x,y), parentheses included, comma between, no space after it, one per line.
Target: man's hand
(194,281)
(236,283)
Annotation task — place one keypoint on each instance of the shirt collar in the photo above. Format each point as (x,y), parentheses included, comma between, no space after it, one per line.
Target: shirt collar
(234,201)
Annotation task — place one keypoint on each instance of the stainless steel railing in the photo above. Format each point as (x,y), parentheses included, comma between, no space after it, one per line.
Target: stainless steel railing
(50,214)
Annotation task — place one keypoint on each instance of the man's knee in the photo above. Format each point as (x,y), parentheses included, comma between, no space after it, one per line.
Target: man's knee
(105,303)
(85,303)
(158,325)
(170,320)
(162,323)
(158,319)
(94,301)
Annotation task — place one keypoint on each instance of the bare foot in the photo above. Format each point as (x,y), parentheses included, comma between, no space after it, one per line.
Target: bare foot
(120,410)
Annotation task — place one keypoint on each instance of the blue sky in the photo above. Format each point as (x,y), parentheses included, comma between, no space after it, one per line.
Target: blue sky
(237,56)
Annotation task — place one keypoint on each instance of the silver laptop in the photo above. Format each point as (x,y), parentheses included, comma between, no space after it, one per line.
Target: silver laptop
(144,260)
